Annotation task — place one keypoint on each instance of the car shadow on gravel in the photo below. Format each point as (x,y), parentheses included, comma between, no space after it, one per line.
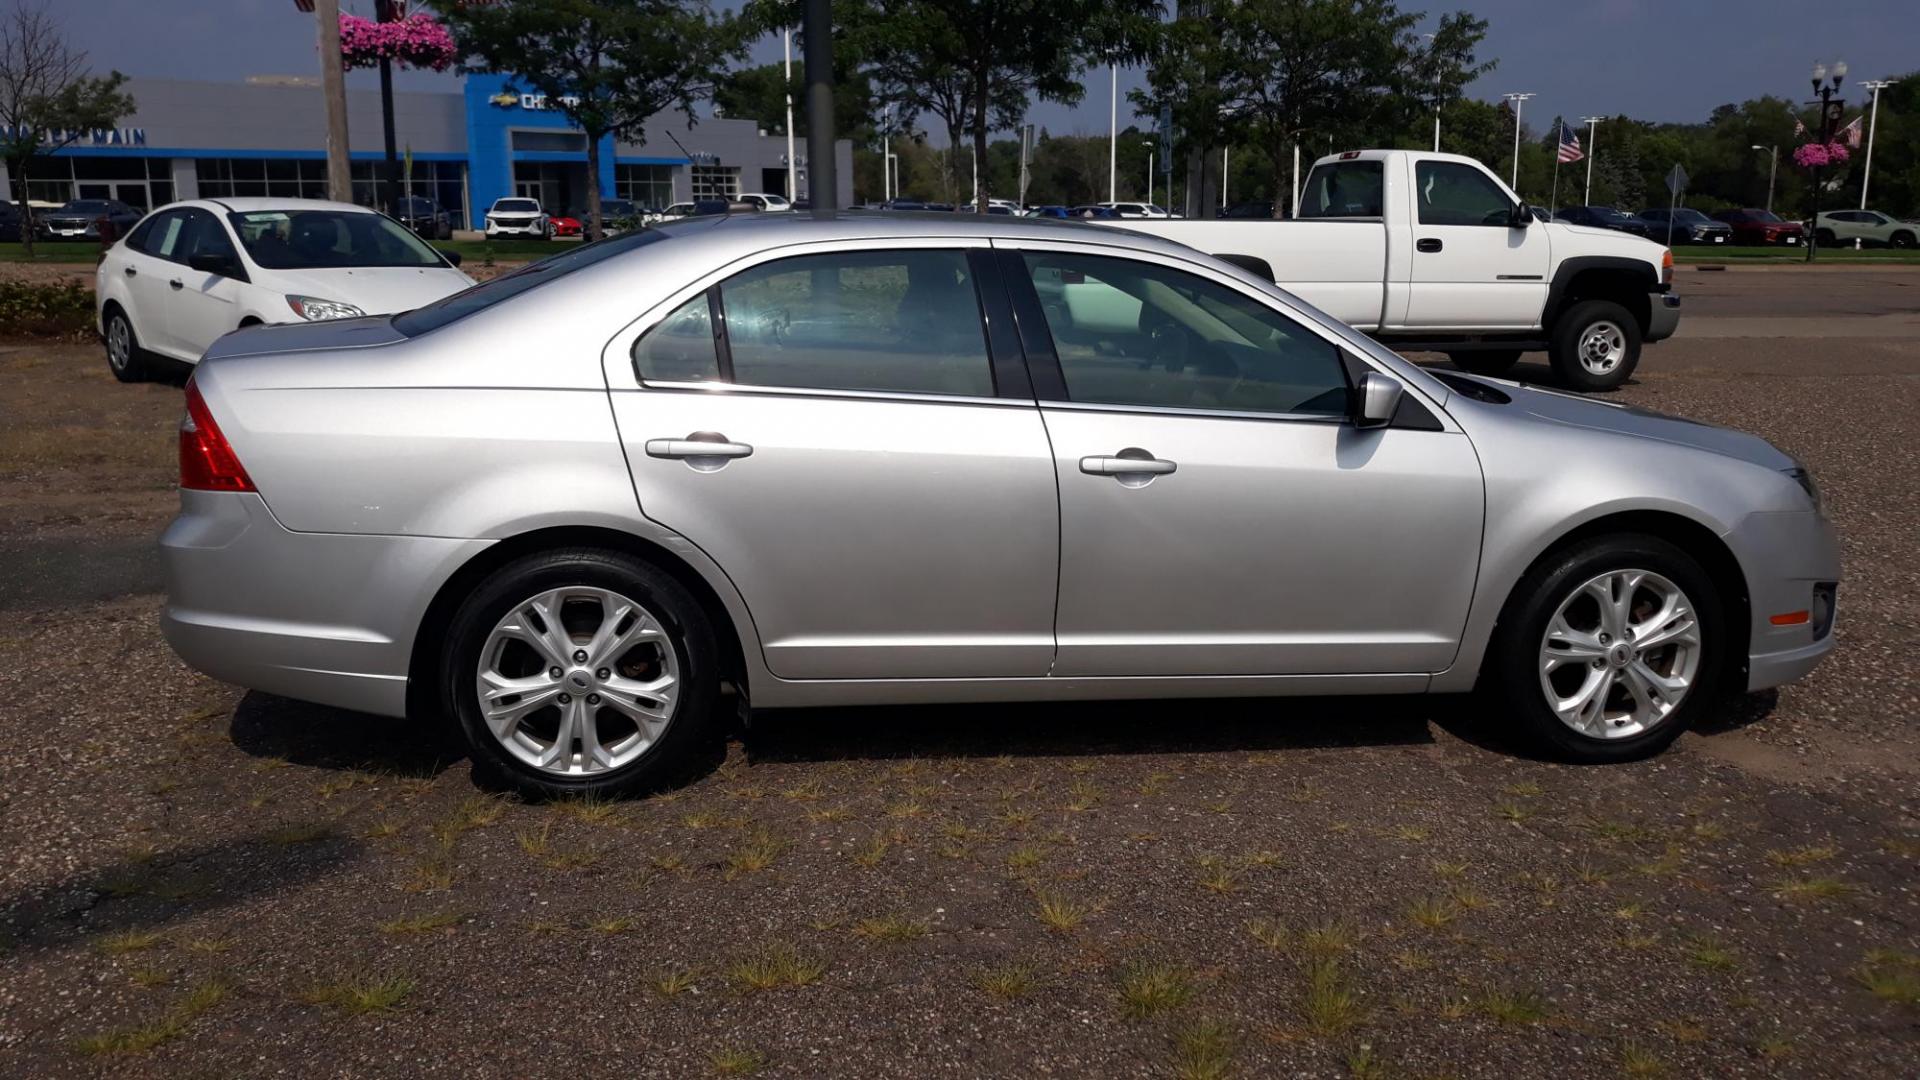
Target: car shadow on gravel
(300,733)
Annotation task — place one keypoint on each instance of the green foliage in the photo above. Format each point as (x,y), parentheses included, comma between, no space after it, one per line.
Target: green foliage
(31,309)
(47,100)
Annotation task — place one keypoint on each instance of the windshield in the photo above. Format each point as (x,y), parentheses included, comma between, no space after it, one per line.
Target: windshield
(324,239)
(1758,215)
(517,206)
(85,206)
(1690,216)
(413,206)
(507,286)
(1608,213)
(615,208)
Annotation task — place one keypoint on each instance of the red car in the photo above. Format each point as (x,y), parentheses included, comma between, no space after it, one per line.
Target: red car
(1752,226)
(565,225)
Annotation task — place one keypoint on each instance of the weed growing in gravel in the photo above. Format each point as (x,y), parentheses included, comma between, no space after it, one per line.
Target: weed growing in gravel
(1467,898)
(1008,981)
(1062,913)
(539,844)
(1151,987)
(1025,857)
(1203,1050)
(1811,888)
(311,832)
(1588,874)
(1800,856)
(827,814)
(127,941)
(1154,784)
(170,1026)
(1364,1064)
(1512,811)
(1271,933)
(1434,912)
(1086,795)
(1710,954)
(1330,1005)
(737,1061)
(1412,834)
(619,924)
(754,854)
(1329,938)
(1526,789)
(671,982)
(906,808)
(361,994)
(1017,817)
(775,966)
(869,854)
(380,830)
(433,871)
(1450,870)
(474,812)
(1638,1061)
(593,811)
(1891,976)
(1216,876)
(423,924)
(149,977)
(1509,1006)
(890,928)
(210,946)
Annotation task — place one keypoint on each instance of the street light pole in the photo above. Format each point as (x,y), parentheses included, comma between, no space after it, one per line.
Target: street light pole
(1773,166)
(1113,132)
(1593,151)
(793,184)
(1873,117)
(1519,102)
(1829,117)
(886,157)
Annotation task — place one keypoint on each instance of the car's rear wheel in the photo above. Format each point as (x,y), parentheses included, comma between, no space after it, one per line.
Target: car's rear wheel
(582,672)
(125,358)
(1595,345)
(1492,362)
(1901,240)
(1824,237)
(1609,648)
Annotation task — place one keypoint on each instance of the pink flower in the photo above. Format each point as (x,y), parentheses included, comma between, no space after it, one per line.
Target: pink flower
(416,41)
(1817,155)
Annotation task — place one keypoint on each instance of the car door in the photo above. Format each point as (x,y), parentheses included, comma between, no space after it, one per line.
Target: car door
(205,304)
(1219,515)
(832,427)
(1471,268)
(146,268)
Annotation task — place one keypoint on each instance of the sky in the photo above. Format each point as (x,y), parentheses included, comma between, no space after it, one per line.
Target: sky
(1670,60)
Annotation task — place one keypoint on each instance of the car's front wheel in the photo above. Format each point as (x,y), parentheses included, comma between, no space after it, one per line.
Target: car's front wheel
(125,358)
(582,672)
(1609,648)
(1595,345)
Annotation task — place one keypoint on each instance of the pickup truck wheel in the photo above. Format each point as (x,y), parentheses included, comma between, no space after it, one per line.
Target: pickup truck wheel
(1491,362)
(1595,345)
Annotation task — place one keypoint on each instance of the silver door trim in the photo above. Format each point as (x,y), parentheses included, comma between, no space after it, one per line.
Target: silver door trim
(821,392)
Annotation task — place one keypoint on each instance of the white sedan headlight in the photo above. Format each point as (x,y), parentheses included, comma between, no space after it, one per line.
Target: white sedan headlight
(315,309)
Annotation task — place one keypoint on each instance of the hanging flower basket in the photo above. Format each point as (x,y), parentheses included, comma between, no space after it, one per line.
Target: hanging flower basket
(1819,155)
(417,41)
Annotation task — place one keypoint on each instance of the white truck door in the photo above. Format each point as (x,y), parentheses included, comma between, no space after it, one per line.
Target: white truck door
(1471,268)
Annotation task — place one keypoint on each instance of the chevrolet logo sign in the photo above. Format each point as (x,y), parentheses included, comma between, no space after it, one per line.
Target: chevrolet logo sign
(505,100)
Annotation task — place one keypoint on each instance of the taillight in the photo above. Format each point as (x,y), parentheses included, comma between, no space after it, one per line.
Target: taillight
(1666,267)
(207,461)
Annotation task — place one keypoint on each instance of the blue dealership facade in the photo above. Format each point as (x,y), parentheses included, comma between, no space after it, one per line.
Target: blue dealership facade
(267,137)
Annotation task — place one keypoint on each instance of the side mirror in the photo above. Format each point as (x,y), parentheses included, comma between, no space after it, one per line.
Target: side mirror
(1520,217)
(208,262)
(451,256)
(1375,400)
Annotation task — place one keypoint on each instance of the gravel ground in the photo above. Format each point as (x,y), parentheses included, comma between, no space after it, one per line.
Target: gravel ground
(199,881)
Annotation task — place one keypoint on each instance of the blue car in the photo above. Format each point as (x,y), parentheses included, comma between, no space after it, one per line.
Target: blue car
(1049,211)
(1093,212)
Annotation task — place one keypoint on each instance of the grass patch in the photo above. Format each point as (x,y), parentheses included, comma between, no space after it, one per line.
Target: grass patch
(775,966)
(1891,976)
(1795,858)
(1203,1050)
(671,982)
(170,1026)
(619,924)
(1330,1005)
(1008,981)
(127,941)
(870,854)
(423,924)
(362,994)
(149,977)
(1638,1061)
(1711,955)
(1060,912)
(1216,876)
(1434,912)
(592,810)
(1510,1006)
(1151,987)
(755,854)
(737,1061)
(1270,932)
(1811,888)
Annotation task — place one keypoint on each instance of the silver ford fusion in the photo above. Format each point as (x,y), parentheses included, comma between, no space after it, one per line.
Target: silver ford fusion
(589,507)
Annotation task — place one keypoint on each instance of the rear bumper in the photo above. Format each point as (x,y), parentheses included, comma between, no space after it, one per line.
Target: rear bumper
(1663,318)
(321,617)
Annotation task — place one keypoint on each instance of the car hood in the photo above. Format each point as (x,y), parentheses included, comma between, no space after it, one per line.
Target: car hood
(513,213)
(376,290)
(1555,407)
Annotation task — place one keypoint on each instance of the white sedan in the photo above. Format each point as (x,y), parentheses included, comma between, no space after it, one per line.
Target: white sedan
(192,271)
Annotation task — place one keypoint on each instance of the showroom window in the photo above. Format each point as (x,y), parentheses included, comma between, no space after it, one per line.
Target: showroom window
(716,181)
(644,185)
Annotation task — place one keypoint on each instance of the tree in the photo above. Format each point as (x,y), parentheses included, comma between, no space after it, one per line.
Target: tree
(47,101)
(607,65)
(1190,63)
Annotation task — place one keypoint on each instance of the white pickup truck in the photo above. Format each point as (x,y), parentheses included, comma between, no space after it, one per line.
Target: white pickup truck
(1432,253)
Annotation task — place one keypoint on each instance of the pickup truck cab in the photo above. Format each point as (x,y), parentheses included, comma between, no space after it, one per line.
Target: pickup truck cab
(1432,252)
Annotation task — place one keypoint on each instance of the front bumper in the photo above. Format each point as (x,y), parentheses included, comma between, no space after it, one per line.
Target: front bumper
(515,228)
(321,617)
(1786,557)
(1664,317)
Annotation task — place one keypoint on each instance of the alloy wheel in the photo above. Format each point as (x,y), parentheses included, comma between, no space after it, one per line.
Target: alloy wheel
(119,342)
(578,681)
(1620,654)
(1602,346)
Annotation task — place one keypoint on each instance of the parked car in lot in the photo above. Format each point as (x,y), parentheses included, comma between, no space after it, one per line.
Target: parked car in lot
(1104,213)
(424,216)
(192,271)
(884,459)
(568,224)
(1868,226)
(1684,225)
(760,201)
(11,222)
(1256,210)
(1605,217)
(516,216)
(1049,212)
(80,218)
(1755,226)
(617,215)
(1136,209)
(1432,252)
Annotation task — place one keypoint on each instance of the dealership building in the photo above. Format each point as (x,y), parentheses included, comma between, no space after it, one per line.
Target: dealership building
(267,137)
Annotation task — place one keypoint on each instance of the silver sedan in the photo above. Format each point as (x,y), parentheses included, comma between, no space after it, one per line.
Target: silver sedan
(590,507)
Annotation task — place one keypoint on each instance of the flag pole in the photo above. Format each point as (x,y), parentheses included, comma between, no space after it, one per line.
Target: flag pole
(1559,133)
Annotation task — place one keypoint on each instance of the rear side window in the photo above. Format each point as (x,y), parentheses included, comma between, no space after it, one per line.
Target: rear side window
(1454,194)
(681,348)
(899,321)
(1343,189)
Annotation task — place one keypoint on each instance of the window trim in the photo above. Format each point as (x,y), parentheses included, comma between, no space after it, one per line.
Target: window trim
(1050,378)
(618,354)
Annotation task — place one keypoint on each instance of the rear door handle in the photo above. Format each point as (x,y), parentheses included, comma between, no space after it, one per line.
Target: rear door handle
(1125,463)
(700,444)
(1428,245)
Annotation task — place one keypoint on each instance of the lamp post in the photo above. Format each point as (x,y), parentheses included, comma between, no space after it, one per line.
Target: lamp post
(1873,117)
(1151,147)
(793,173)
(1519,102)
(1824,87)
(1113,132)
(1773,166)
(1593,151)
(886,156)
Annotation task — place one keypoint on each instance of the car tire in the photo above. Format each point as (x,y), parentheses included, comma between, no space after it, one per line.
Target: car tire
(1900,240)
(1824,237)
(125,358)
(1550,605)
(1595,345)
(1490,362)
(593,584)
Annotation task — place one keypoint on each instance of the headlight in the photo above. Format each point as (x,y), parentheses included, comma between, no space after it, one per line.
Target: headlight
(314,309)
(1804,478)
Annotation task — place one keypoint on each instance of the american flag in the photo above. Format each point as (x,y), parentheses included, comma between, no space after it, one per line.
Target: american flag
(1569,146)
(1852,132)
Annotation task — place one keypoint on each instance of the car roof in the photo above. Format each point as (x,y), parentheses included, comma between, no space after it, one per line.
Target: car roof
(253,204)
(752,232)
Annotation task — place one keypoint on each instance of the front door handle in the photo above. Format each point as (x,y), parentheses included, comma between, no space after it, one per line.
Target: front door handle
(131,272)
(1132,467)
(1428,245)
(175,283)
(702,449)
